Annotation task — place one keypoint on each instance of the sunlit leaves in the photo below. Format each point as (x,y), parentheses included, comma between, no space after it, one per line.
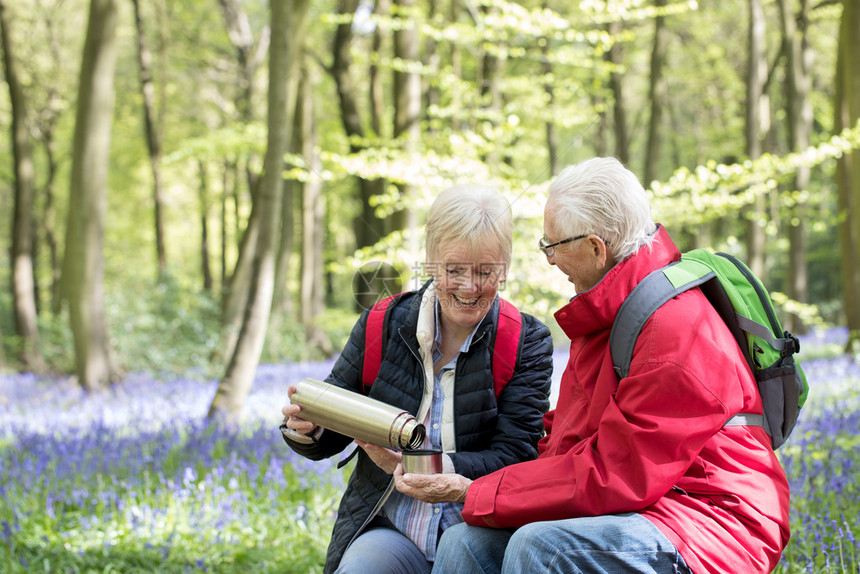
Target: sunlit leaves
(236,140)
(714,190)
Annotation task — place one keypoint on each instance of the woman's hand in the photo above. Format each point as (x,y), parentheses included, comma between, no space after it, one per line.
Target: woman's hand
(291,420)
(432,488)
(385,458)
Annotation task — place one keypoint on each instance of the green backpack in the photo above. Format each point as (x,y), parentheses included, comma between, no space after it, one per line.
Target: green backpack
(745,306)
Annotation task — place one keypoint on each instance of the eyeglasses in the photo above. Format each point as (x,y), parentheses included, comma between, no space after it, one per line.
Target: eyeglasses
(549,248)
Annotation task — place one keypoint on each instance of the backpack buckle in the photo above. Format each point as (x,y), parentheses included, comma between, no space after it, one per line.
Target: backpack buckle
(791,344)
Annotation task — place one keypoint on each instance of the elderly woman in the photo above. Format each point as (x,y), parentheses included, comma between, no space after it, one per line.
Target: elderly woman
(437,364)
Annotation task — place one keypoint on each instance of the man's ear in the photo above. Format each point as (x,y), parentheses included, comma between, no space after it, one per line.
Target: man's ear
(600,251)
(597,249)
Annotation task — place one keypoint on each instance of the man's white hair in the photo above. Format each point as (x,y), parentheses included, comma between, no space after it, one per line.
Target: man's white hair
(603,197)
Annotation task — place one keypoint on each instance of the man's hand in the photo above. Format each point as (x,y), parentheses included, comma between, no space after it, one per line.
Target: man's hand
(432,488)
(385,458)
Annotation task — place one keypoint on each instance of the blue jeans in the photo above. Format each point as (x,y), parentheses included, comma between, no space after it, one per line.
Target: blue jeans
(383,550)
(611,544)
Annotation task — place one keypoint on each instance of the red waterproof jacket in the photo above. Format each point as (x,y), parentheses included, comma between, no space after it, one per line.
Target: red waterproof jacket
(653,443)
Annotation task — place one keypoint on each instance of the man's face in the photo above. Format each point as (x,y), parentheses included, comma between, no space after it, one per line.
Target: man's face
(581,260)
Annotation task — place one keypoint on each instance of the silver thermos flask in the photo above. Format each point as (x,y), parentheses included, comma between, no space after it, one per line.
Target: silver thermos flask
(357,416)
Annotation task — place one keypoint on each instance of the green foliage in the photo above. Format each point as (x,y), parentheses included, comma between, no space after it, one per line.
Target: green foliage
(287,340)
(171,329)
(552,68)
(716,190)
(168,328)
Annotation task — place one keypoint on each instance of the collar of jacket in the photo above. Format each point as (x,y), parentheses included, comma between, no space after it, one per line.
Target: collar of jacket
(408,330)
(595,309)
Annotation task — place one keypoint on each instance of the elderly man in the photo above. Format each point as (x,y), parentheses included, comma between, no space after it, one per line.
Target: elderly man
(638,474)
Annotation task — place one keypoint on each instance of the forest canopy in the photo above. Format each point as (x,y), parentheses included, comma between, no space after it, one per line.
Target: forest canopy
(739,117)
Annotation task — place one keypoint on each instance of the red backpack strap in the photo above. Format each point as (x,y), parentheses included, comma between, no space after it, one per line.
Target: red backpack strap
(506,345)
(374,333)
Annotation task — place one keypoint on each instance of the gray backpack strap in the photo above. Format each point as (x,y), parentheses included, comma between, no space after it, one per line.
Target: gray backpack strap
(658,287)
(749,420)
(782,344)
(655,289)
(745,419)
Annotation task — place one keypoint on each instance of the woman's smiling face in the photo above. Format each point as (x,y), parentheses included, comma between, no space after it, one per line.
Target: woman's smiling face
(466,283)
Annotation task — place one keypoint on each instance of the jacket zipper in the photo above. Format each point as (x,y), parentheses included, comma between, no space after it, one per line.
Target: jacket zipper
(390,488)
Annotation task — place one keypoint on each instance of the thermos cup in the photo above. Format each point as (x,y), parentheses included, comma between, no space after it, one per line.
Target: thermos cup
(357,416)
(422,461)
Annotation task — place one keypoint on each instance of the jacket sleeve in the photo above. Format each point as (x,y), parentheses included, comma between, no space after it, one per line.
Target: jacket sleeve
(521,406)
(650,428)
(346,374)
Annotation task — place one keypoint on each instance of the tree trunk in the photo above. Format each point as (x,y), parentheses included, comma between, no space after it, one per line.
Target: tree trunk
(799,119)
(49,215)
(282,299)
(45,124)
(456,71)
(50,226)
(377,97)
(657,97)
(407,116)
(225,185)
(367,227)
(205,268)
(289,22)
(153,137)
(432,61)
(249,57)
(23,279)
(613,56)
(83,268)
(847,114)
(757,119)
(549,90)
(313,214)
(236,292)
(490,84)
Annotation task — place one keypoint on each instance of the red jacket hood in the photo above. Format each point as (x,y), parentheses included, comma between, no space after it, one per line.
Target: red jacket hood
(596,308)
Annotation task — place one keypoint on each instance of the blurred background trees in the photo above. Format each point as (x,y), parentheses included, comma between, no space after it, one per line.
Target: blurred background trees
(229,166)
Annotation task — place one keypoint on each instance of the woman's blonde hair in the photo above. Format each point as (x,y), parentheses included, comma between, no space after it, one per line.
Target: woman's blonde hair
(471,216)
